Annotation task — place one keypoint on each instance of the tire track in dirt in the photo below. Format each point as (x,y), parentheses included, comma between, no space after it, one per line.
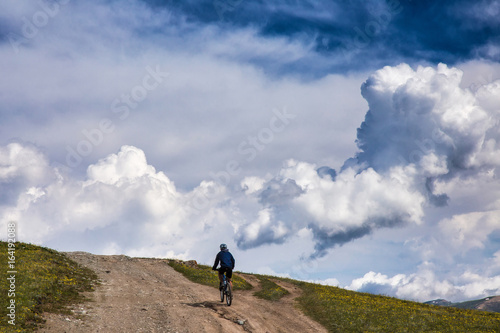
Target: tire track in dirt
(147,295)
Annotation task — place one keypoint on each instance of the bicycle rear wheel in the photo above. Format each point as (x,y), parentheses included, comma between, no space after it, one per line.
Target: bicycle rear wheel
(229,295)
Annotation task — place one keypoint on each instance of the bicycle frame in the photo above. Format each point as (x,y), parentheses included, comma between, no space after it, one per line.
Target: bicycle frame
(226,291)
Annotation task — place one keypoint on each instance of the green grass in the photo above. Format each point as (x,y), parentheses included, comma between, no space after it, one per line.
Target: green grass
(341,310)
(46,281)
(204,275)
(270,290)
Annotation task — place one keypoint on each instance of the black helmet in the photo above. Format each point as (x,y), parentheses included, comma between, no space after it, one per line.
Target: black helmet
(223,246)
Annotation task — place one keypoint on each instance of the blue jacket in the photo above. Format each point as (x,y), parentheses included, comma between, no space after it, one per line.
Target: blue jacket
(225,258)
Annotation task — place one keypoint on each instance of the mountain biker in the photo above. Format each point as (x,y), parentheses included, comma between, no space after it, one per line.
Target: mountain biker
(226,260)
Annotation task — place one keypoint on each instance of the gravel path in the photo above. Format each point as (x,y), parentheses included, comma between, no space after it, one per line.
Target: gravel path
(147,295)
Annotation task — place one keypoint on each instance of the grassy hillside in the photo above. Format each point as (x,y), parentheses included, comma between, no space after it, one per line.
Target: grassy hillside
(45,281)
(203,274)
(270,290)
(341,310)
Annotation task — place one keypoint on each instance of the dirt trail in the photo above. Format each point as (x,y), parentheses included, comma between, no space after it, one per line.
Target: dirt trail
(147,295)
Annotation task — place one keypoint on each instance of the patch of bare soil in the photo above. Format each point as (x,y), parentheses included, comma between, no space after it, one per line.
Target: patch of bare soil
(147,295)
(490,304)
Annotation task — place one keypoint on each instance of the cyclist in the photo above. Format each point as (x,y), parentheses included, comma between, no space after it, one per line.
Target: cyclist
(226,260)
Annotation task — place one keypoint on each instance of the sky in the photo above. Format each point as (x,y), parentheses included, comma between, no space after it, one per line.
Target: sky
(352,143)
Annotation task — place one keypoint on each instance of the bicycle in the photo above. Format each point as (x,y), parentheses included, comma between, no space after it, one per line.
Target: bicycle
(226,290)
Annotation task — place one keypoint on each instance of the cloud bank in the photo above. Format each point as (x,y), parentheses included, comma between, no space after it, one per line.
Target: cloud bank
(122,206)
(422,133)
(423,141)
(425,285)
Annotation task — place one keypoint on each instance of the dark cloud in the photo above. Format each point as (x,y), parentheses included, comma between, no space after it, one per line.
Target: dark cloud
(359,35)
(339,36)
(327,239)
(326,171)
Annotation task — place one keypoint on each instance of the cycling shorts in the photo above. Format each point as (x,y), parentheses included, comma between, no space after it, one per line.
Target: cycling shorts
(227,270)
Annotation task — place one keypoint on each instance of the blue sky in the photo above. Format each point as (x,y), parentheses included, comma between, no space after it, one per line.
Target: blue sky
(350,143)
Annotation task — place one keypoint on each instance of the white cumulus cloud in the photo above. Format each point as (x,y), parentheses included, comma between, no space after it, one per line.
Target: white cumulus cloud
(425,285)
(123,201)
(423,135)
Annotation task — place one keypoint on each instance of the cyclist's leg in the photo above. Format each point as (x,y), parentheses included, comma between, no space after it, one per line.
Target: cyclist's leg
(229,275)
(221,272)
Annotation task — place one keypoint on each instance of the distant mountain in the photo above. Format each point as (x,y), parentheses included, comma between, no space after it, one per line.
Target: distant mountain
(441,302)
(486,304)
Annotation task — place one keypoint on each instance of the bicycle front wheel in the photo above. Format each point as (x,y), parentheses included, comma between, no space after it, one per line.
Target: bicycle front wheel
(229,295)
(222,294)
